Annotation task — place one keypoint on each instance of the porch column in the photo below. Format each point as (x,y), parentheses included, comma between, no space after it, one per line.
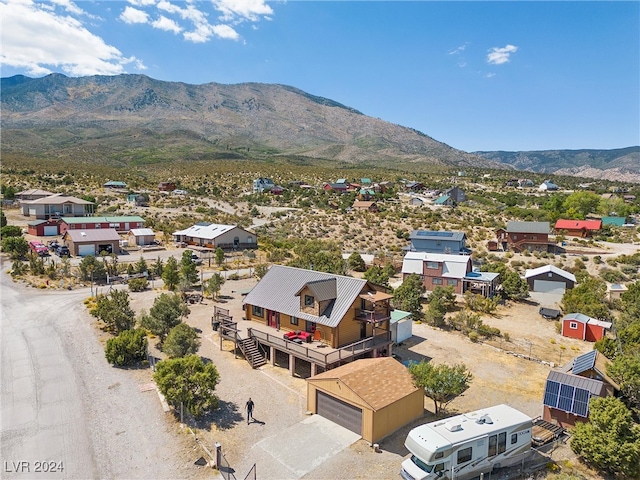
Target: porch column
(272,354)
(292,364)
(313,369)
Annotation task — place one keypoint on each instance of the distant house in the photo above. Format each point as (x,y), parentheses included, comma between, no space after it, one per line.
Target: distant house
(584,327)
(519,236)
(456,194)
(92,242)
(438,270)
(549,279)
(262,184)
(414,186)
(366,193)
(141,236)
(276,190)
(335,187)
(444,200)
(115,184)
(55,206)
(615,290)
(614,221)
(568,390)
(438,242)
(33,194)
(365,206)
(121,224)
(578,228)
(137,199)
(167,186)
(211,235)
(548,186)
(416,201)
(525,182)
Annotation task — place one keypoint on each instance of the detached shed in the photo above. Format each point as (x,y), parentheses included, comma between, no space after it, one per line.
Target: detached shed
(583,327)
(372,397)
(401,326)
(549,279)
(43,228)
(141,236)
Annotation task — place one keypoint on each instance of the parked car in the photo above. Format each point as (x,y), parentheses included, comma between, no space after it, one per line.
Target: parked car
(63,251)
(196,259)
(53,245)
(38,248)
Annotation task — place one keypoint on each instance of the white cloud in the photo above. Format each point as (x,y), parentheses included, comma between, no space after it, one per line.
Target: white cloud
(500,55)
(225,31)
(132,15)
(142,3)
(164,23)
(458,50)
(250,10)
(37,39)
(69,6)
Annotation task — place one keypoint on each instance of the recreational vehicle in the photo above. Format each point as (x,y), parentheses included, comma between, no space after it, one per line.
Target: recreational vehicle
(466,445)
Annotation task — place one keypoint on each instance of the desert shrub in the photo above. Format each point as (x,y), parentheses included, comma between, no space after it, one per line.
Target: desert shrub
(129,347)
(473,336)
(138,284)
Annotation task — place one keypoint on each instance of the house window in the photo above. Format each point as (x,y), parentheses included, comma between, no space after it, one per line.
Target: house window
(435,265)
(294,320)
(452,281)
(515,237)
(549,274)
(257,311)
(573,325)
(98,225)
(436,281)
(309,300)
(464,455)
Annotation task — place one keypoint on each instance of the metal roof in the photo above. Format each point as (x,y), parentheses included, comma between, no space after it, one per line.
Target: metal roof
(323,289)
(442,199)
(397,315)
(116,219)
(528,227)
(278,289)
(453,266)
(93,235)
(584,362)
(140,232)
(207,231)
(534,272)
(596,387)
(436,235)
(57,199)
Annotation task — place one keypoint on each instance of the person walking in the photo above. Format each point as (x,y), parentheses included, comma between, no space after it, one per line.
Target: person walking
(249,406)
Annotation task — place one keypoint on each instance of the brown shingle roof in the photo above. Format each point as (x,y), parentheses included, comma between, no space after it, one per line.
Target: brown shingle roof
(377,381)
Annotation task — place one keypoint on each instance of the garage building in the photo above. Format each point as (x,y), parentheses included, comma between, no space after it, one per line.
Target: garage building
(91,242)
(372,397)
(549,279)
(43,228)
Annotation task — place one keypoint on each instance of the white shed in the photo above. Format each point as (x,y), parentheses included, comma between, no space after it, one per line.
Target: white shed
(401,326)
(141,236)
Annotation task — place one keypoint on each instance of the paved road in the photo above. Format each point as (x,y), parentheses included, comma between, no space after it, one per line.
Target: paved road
(61,403)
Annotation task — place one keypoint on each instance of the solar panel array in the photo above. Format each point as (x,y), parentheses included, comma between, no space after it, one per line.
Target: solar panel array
(429,233)
(584,362)
(567,398)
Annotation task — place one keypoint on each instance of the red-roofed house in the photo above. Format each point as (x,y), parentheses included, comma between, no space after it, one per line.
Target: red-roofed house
(578,228)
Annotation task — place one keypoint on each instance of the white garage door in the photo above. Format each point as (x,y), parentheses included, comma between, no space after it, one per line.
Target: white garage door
(84,250)
(546,286)
(51,230)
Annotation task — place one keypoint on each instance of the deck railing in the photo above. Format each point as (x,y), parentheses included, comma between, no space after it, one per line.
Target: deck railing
(373,316)
(311,353)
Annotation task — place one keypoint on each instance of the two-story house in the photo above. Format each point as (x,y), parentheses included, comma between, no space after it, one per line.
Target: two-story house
(438,269)
(438,242)
(456,194)
(349,316)
(520,236)
(262,184)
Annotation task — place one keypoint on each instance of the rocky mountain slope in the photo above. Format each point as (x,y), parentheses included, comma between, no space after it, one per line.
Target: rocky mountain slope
(616,164)
(114,118)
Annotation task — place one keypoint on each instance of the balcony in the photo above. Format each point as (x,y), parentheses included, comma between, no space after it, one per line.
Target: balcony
(372,316)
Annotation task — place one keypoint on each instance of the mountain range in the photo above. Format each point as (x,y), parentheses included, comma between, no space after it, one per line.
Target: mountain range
(133,119)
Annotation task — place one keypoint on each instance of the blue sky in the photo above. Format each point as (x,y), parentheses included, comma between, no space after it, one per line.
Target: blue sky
(476,75)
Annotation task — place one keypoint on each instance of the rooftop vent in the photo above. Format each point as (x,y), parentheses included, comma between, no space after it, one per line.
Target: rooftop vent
(485,419)
(453,426)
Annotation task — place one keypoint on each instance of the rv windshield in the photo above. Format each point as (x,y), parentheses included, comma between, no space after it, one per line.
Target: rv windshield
(421,465)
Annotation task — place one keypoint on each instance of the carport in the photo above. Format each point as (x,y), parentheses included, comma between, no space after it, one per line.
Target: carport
(372,397)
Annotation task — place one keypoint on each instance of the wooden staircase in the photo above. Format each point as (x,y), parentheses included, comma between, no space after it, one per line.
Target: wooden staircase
(252,353)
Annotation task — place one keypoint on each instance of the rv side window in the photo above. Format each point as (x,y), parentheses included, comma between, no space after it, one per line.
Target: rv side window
(464,455)
(439,455)
(493,440)
(514,438)
(502,442)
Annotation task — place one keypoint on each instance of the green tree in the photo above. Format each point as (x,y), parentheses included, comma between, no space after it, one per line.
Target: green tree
(441,383)
(15,247)
(625,370)
(3,219)
(157,267)
(91,269)
(141,265)
(610,441)
(9,193)
(514,287)
(138,284)
(408,296)
(181,341)
(214,284)
(219,256)
(167,312)
(129,347)
(356,263)
(376,274)
(261,270)
(441,300)
(188,381)
(115,311)
(188,269)
(319,255)
(588,297)
(10,231)
(171,274)
(581,204)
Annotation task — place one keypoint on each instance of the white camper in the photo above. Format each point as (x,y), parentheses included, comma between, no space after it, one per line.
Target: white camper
(464,446)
